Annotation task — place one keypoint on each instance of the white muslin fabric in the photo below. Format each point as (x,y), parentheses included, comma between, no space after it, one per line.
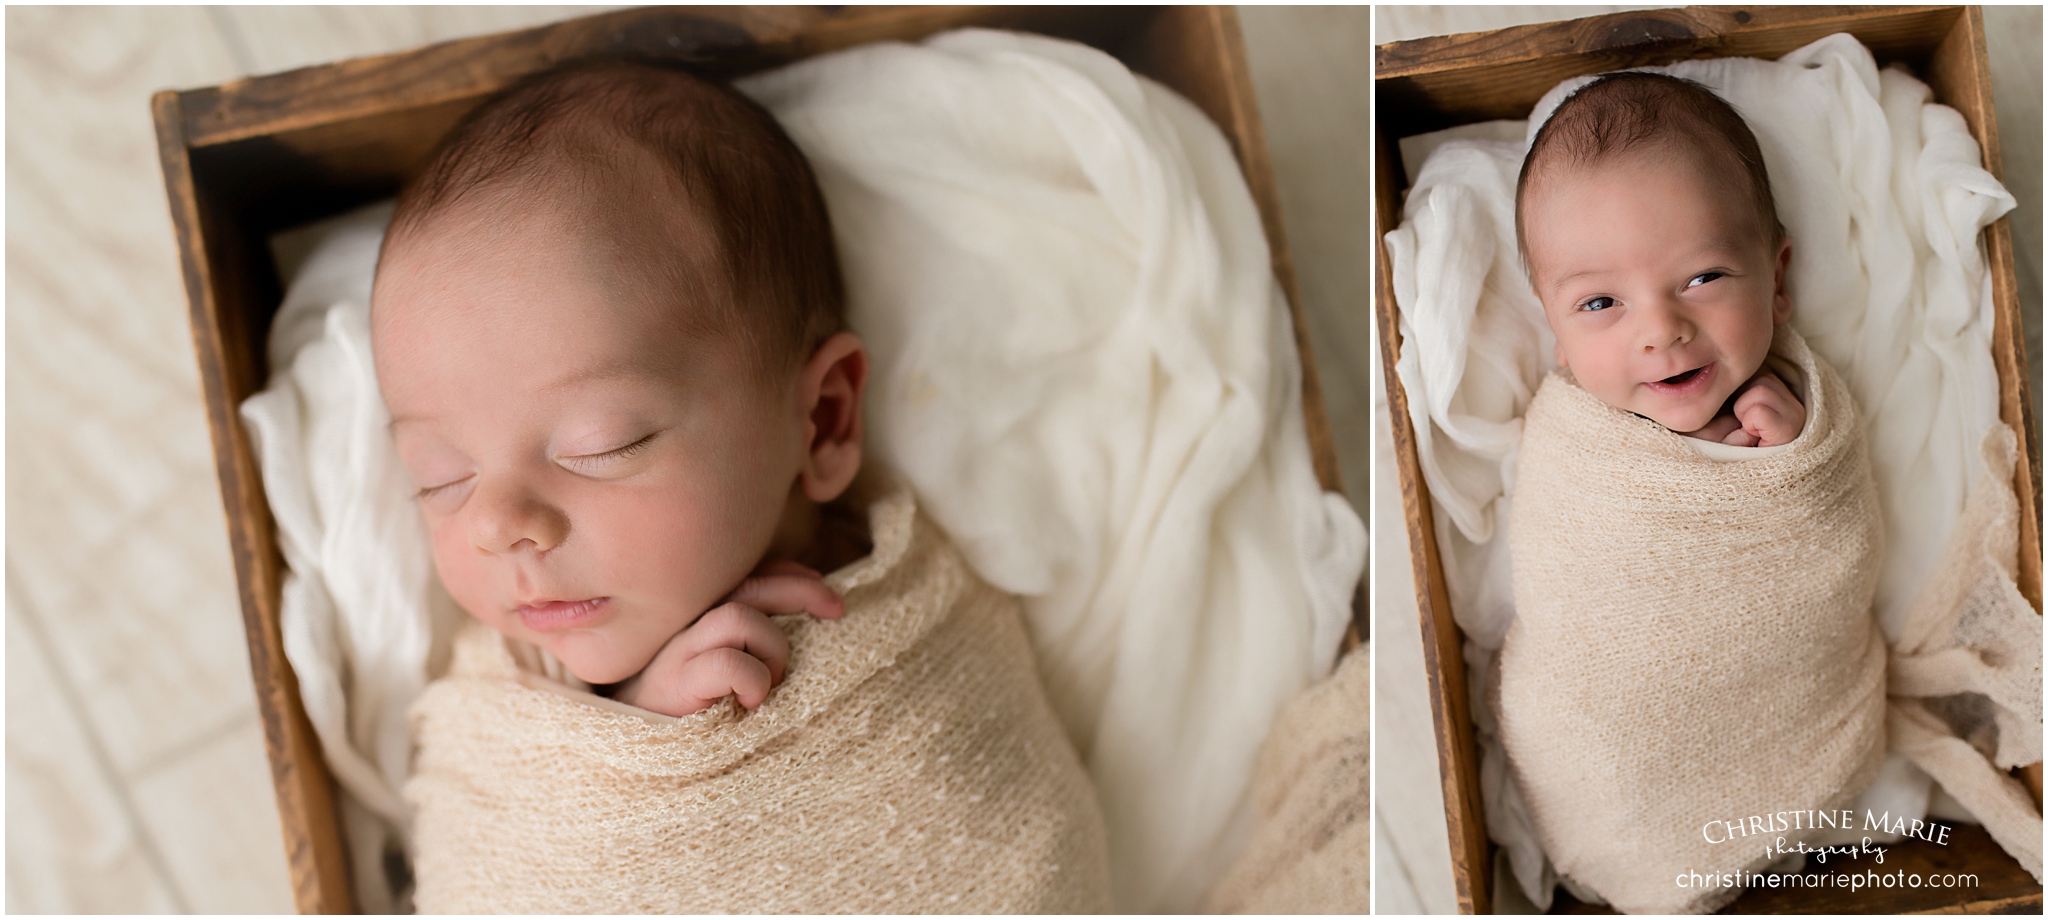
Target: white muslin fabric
(1081,363)
(1968,665)
(1084,366)
(362,610)
(1883,196)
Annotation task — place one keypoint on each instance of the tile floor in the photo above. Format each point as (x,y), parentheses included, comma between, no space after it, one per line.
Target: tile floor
(136,778)
(1412,872)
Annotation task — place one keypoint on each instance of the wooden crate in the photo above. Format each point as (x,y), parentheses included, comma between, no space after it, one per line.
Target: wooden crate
(1434,83)
(248,158)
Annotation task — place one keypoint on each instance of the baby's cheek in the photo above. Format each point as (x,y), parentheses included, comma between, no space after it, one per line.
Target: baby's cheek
(669,547)
(457,565)
(707,567)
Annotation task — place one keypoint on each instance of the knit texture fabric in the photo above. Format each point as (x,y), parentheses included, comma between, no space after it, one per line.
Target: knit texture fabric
(908,763)
(1311,846)
(1966,671)
(1693,640)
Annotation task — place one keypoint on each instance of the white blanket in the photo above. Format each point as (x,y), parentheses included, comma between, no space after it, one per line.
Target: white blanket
(1883,196)
(1082,364)
(364,620)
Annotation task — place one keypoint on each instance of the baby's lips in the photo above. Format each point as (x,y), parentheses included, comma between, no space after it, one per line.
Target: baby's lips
(1693,386)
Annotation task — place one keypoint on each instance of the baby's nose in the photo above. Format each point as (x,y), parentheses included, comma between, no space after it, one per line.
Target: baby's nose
(505,519)
(1660,326)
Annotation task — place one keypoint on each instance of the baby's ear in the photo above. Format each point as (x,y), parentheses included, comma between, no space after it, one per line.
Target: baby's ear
(833,381)
(1781,296)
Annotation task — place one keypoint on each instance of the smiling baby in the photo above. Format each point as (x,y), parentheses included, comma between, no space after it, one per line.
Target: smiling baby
(1651,238)
(1694,536)
(609,327)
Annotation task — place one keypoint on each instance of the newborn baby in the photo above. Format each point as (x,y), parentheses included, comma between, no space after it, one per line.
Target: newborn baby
(609,325)
(618,371)
(1647,226)
(1693,684)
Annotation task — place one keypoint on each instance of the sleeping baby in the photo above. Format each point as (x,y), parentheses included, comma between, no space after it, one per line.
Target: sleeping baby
(1693,684)
(609,326)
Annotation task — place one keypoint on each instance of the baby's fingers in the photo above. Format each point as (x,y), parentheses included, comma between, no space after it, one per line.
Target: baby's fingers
(789,594)
(739,628)
(709,677)
(785,567)
(1769,425)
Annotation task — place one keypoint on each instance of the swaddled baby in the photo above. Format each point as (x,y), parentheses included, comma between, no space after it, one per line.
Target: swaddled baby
(608,324)
(1693,684)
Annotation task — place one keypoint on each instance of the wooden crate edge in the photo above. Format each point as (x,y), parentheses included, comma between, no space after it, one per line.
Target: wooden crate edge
(306,806)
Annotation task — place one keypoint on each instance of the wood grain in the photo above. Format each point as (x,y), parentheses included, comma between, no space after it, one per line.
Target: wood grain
(289,148)
(723,41)
(1199,52)
(1959,70)
(1307,67)
(1443,81)
(1443,644)
(1219,83)
(306,807)
(1434,83)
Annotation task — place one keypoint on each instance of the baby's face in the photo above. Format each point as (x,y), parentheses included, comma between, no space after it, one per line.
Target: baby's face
(594,475)
(1661,292)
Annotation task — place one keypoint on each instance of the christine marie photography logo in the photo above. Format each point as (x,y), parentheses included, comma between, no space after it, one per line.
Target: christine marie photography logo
(1768,830)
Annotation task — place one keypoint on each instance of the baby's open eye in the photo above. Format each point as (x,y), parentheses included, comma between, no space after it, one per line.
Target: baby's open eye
(1597,304)
(1702,278)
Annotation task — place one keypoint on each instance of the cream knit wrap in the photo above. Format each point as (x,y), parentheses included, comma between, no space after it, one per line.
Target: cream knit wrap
(1693,640)
(909,763)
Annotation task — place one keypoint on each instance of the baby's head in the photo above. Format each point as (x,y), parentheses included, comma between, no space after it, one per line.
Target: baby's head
(1646,222)
(609,324)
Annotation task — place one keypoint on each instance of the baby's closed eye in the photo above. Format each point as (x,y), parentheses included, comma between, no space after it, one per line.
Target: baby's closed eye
(431,491)
(599,460)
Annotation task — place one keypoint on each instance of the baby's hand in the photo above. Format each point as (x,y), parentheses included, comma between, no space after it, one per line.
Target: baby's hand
(732,649)
(1769,413)
(1719,431)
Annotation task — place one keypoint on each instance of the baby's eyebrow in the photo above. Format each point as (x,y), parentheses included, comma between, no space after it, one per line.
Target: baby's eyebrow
(644,368)
(1558,285)
(641,369)
(1717,248)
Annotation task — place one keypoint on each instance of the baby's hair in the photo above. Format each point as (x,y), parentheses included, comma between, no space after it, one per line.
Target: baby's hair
(1629,110)
(737,178)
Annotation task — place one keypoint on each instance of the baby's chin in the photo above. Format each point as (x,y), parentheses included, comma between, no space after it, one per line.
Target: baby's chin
(596,658)
(1684,419)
